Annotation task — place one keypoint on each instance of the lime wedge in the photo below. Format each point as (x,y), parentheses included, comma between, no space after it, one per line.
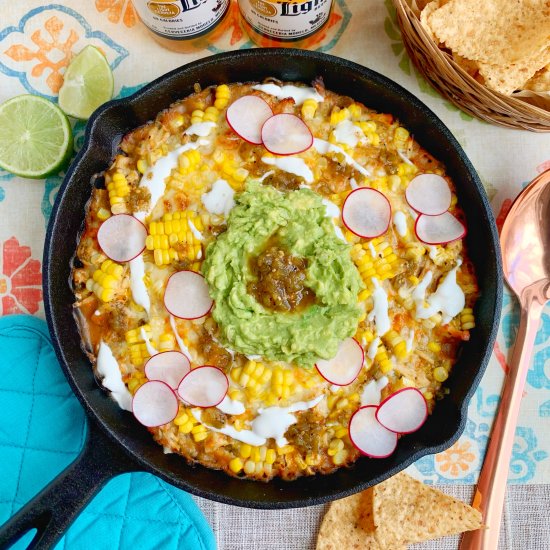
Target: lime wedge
(88,83)
(35,137)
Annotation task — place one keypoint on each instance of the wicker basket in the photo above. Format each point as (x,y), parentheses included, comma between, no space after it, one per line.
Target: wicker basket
(439,68)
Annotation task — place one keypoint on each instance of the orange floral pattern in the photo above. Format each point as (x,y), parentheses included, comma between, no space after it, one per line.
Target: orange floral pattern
(117,10)
(20,279)
(457,459)
(51,54)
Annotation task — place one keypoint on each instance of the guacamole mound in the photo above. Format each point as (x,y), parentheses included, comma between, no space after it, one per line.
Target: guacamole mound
(299,222)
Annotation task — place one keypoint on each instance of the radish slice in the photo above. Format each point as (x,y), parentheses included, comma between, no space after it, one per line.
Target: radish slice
(369,436)
(122,237)
(247,115)
(345,366)
(403,411)
(155,404)
(169,367)
(441,229)
(366,212)
(429,194)
(204,386)
(186,295)
(286,134)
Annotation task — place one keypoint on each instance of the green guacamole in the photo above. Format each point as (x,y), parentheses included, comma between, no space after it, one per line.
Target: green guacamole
(298,218)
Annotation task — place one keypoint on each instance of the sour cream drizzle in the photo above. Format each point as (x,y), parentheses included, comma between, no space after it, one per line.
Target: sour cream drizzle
(372,392)
(410,340)
(405,158)
(155,176)
(201,129)
(292,165)
(348,133)
(272,422)
(196,233)
(379,311)
(332,211)
(298,93)
(230,406)
(150,348)
(373,348)
(448,299)
(400,223)
(137,284)
(220,199)
(325,147)
(107,367)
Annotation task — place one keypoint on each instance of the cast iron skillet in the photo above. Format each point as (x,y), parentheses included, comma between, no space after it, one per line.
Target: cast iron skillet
(116,442)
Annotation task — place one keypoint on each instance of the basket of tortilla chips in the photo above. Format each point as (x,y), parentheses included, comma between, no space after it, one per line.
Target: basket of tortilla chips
(490,58)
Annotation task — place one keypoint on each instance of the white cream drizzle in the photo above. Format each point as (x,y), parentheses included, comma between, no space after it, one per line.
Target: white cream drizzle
(272,422)
(419,291)
(379,313)
(433,251)
(410,340)
(181,344)
(353,184)
(267,174)
(231,406)
(373,348)
(448,299)
(137,284)
(325,147)
(220,199)
(405,158)
(292,165)
(107,368)
(298,93)
(400,223)
(372,392)
(151,350)
(196,233)
(155,176)
(332,211)
(372,250)
(201,129)
(348,133)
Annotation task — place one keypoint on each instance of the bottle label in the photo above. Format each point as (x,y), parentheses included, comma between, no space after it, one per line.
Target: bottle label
(286,20)
(180,19)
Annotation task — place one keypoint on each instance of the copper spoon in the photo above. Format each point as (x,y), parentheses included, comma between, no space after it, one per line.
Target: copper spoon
(525,242)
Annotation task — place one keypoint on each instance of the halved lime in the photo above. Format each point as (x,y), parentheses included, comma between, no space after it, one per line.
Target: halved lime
(88,83)
(35,137)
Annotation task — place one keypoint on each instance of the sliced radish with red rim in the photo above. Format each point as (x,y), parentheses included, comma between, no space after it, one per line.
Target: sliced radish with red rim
(169,367)
(441,229)
(155,404)
(286,134)
(369,436)
(122,237)
(204,386)
(429,194)
(247,115)
(345,366)
(403,411)
(366,212)
(186,295)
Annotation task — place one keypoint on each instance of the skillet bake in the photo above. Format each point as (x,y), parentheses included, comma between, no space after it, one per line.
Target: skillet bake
(273,279)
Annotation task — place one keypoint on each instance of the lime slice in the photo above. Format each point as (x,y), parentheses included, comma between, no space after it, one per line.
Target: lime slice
(35,137)
(88,83)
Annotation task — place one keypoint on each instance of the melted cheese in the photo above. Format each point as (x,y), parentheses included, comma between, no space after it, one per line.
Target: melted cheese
(298,93)
(107,369)
(292,165)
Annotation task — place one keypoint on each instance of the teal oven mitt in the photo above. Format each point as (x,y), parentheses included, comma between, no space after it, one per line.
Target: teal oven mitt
(42,429)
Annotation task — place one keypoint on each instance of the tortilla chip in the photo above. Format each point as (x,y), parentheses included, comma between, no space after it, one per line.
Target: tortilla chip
(425,13)
(508,78)
(471,67)
(497,32)
(540,82)
(407,511)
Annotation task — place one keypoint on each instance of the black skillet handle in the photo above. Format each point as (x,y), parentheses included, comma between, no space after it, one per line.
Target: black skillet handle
(52,510)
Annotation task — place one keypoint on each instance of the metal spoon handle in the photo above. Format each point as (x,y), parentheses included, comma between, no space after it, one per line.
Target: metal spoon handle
(491,487)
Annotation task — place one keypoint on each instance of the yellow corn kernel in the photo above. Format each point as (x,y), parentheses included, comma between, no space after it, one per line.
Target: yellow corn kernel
(355,111)
(400,137)
(340,457)
(245,450)
(182,418)
(249,467)
(167,342)
(383,360)
(338,115)
(309,106)
(236,465)
(142,166)
(211,114)
(300,462)
(440,374)
(103,214)
(397,343)
(341,432)
(106,280)
(197,116)
(201,436)
(270,456)
(467,320)
(434,346)
(186,428)
(285,450)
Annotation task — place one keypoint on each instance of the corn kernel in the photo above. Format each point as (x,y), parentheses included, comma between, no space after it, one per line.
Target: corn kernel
(440,374)
(236,465)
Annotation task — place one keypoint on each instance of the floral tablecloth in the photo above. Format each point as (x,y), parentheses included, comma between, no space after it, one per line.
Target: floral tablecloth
(36,43)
